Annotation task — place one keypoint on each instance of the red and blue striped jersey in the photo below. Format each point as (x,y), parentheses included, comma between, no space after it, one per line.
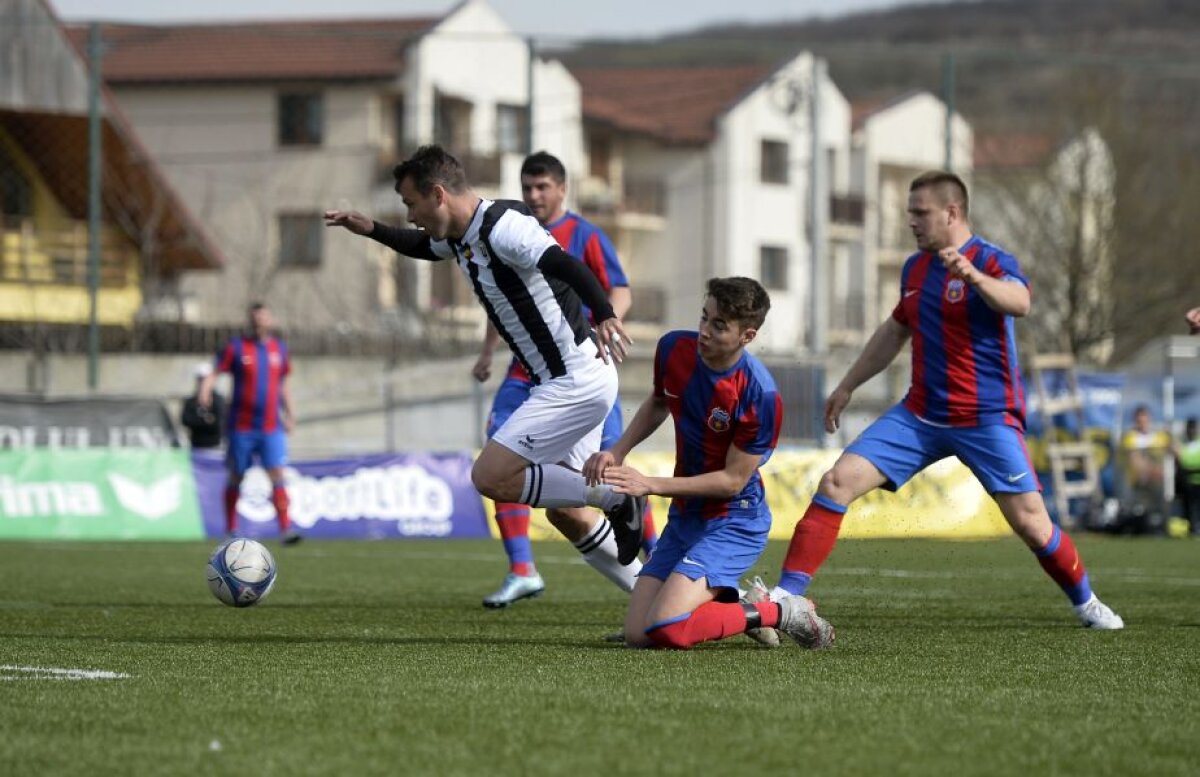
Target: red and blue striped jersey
(258,368)
(586,242)
(964,354)
(712,411)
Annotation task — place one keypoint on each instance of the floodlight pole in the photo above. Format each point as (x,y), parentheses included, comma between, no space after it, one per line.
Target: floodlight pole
(94,172)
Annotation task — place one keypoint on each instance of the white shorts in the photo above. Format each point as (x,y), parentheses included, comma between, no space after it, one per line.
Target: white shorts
(563,418)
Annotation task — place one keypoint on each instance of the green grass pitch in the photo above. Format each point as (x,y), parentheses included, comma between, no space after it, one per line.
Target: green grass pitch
(377,658)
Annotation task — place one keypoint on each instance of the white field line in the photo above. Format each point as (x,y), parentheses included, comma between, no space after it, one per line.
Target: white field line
(55,673)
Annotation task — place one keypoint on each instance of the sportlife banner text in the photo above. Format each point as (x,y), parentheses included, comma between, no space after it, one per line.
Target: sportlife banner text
(369,497)
(27,422)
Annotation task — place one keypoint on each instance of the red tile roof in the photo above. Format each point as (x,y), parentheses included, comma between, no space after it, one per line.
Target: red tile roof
(673,104)
(360,49)
(1012,150)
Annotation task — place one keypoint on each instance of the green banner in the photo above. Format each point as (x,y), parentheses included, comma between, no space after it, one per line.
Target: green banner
(98,494)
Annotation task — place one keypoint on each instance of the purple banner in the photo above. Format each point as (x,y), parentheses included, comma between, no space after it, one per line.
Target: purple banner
(382,496)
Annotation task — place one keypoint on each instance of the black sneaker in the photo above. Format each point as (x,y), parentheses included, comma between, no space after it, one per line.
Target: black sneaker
(290,537)
(626,520)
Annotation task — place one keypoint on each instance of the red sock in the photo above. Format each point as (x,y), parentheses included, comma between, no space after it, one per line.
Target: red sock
(279,498)
(649,530)
(814,536)
(711,620)
(512,519)
(1062,562)
(231,500)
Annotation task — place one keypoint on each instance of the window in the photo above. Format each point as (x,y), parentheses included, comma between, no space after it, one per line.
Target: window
(774,162)
(772,271)
(300,239)
(301,119)
(512,129)
(451,123)
(16,195)
(599,157)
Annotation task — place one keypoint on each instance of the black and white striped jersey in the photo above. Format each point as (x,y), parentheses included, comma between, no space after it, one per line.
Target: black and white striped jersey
(540,317)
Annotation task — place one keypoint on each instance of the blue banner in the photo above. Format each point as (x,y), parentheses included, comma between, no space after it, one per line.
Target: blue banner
(382,496)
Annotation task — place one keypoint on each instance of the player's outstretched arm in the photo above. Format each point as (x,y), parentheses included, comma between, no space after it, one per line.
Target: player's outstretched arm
(723,484)
(879,352)
(410,242)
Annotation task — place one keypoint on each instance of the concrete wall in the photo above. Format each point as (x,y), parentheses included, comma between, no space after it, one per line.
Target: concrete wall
(339,401)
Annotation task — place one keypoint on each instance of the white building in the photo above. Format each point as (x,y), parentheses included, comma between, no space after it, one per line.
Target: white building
(263,126)
(708,171)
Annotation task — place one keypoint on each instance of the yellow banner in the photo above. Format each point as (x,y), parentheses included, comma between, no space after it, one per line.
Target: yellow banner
(945,500)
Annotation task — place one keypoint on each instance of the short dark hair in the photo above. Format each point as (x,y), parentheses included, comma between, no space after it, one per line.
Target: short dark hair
(430,166)
(743,300)
(544,163)
(256,306)
(948,187)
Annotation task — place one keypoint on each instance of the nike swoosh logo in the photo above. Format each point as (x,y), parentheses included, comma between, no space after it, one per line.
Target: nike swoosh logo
(1018,476)
(687,560)
(669,394)
(909,293)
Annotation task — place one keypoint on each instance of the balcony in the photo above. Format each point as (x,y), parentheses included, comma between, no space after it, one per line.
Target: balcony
(56,253)
(846,209)
(641,205)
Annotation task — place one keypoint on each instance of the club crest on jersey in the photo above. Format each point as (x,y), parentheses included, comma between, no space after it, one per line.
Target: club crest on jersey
(956,290)
(718,420)
(468,253)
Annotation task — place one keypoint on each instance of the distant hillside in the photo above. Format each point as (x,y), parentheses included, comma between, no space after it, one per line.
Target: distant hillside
(1010,55)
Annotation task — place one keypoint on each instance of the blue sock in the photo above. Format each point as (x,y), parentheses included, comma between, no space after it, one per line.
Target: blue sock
(795,583)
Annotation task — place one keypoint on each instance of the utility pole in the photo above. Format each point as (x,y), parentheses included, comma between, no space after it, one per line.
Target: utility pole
(95,49)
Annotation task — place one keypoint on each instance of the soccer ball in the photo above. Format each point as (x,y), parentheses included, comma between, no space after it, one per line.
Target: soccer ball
(241,572)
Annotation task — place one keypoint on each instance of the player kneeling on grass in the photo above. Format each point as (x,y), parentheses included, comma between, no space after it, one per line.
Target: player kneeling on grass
(727,415)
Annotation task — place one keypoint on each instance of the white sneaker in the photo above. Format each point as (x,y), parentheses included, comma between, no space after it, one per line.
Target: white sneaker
(757,592)
(1095,614)
(514,589)
(799,620)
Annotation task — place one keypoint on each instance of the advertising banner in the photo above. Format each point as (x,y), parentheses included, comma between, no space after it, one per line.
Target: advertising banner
(97,494)
(943,501)
(366,497)
(31,422)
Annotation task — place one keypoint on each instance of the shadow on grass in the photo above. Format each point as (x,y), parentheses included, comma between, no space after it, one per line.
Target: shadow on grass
(599,643)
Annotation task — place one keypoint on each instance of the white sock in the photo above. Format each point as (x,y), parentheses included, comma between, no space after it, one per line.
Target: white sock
(550,485)
(599,550)
(553,486)
(778,594)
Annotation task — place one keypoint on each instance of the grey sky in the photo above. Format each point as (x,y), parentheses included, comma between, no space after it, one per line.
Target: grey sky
(540,18)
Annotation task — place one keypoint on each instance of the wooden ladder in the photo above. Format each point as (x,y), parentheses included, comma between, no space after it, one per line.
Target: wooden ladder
(1068,457)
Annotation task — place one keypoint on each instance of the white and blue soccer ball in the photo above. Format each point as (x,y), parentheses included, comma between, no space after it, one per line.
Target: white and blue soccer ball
(241,572)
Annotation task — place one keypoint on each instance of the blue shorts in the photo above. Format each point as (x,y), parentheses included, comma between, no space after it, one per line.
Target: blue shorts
(512,394)
(900,445)
(270,448)
(719,549)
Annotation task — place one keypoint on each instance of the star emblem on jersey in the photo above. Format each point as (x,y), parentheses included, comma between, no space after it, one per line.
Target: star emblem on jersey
(956,290)
(718,420)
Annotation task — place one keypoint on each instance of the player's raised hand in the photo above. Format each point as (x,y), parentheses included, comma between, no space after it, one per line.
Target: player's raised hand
(594,467)
(612,340)
(351,220)
(959,266)
(1193,319)
(834,406)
